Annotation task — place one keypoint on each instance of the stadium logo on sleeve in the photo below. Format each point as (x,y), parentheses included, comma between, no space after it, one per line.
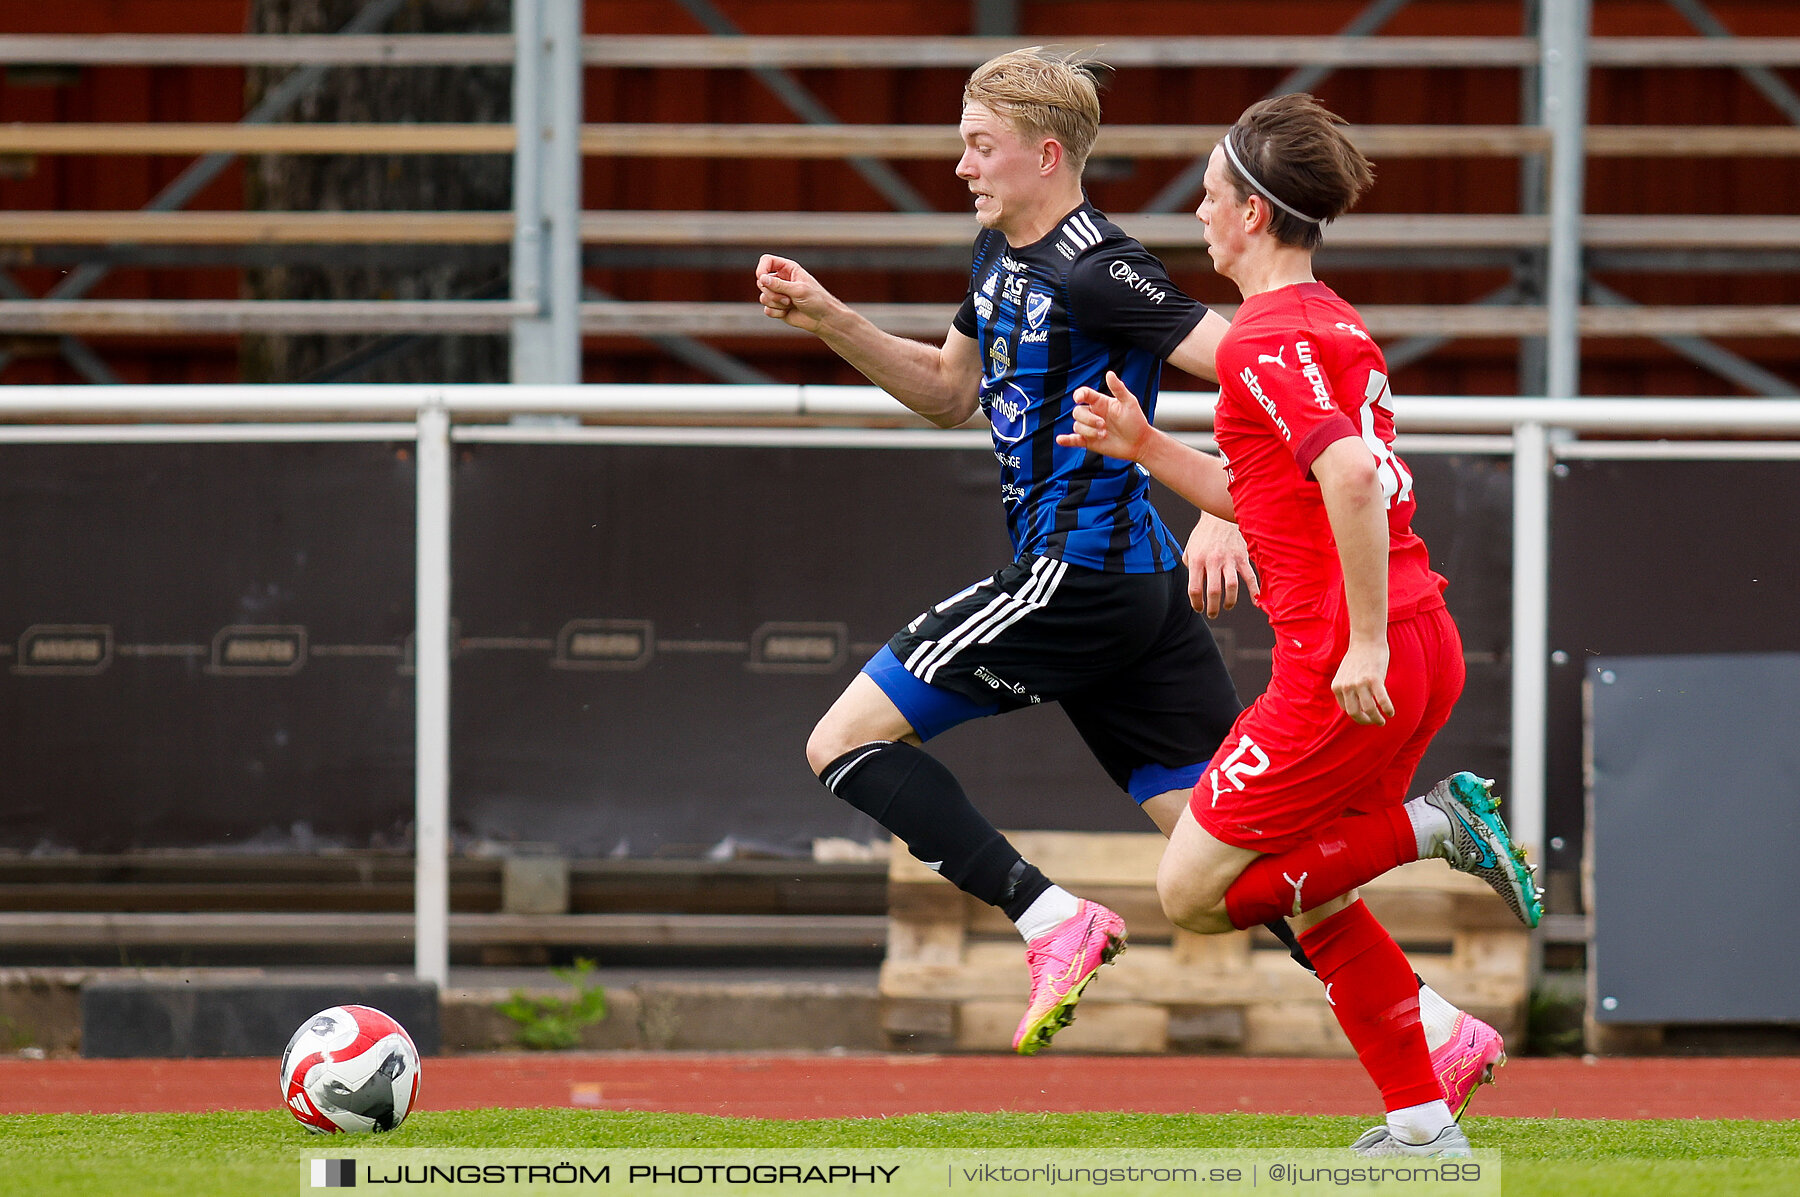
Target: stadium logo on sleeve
(1309,369)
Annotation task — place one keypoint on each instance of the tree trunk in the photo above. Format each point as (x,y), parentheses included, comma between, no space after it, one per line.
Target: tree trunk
(384,183)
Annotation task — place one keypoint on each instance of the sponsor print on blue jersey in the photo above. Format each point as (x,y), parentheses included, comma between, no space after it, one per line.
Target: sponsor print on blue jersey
(1050,318)
(1006,411)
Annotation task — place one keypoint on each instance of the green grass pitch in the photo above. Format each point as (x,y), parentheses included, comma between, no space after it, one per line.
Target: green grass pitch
(203,1155)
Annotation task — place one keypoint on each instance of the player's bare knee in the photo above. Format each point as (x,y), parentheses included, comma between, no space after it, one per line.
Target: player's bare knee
(862,714)
(841,730)
(1192,913)
(1189,902)
(826,744)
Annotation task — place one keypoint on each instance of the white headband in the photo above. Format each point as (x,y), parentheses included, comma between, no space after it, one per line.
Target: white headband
(1231,153)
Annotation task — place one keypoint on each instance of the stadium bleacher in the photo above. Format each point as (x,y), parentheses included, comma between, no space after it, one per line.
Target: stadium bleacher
(1641,243)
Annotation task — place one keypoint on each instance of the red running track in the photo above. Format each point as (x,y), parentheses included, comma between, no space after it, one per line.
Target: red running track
(863,1086)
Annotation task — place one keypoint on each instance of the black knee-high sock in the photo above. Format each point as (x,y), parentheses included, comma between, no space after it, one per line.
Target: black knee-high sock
(910,793)
(1286,935)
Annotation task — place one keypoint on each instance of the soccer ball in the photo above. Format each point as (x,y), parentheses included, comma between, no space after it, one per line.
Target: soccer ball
(350,1068)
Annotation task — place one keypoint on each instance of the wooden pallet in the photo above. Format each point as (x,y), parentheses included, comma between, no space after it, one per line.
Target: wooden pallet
(954,978)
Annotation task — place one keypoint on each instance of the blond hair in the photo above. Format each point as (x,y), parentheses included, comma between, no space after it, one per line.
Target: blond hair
(1041,94)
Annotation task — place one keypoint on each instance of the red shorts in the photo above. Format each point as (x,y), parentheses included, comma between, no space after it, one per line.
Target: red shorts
(1295,762)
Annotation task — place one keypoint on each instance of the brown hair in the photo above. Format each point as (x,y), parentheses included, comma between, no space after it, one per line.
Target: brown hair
(1302,158)
(1041,94)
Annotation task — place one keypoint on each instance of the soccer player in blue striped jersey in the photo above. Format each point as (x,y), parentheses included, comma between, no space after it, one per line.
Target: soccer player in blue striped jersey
(1094,611)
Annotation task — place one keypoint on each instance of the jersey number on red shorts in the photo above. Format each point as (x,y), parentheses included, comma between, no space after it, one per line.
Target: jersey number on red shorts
(1396,482)
(1246,760)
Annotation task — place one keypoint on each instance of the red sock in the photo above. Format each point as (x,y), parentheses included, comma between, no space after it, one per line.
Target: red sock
(1349,852)
(1375,996)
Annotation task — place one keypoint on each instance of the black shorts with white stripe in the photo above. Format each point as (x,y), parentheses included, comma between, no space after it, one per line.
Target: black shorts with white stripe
(1132,664)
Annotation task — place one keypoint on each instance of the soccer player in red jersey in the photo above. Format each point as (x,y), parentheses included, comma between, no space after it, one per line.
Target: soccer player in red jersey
(1307,797)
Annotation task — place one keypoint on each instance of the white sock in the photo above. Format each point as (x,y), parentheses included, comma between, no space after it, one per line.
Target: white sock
(1051,908)
(1437,1016)
(1431,827)
(1421,1123)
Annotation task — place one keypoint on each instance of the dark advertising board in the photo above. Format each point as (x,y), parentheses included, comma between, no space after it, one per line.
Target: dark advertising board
(208,644)
(200,645)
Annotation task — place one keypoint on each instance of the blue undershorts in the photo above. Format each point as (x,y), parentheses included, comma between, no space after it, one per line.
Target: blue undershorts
(930,709)
(933,710)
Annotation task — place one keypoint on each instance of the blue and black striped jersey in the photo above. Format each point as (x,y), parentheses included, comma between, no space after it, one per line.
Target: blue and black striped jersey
(1052,317)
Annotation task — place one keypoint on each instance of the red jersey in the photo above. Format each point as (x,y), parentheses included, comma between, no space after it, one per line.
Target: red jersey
(1296,373)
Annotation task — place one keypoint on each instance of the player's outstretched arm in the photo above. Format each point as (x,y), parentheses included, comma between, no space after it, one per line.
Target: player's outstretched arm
(941,384)
(1358,513)
(1218,561)
(1114,425)
(1199,350)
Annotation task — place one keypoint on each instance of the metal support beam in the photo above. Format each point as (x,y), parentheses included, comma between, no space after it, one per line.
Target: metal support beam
(75,351)
(431,683)
(698,354)
(1564,48)
(1721,361)
(1772,86)
(191,181)
(1179,192)
(1405,353)
(803,104)
(546,347)
(1530,266)
(1363,24)
(995,18)
(272,107)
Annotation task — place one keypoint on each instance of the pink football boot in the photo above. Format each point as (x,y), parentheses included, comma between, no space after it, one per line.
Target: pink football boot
(1467,1061)
(1062,963)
